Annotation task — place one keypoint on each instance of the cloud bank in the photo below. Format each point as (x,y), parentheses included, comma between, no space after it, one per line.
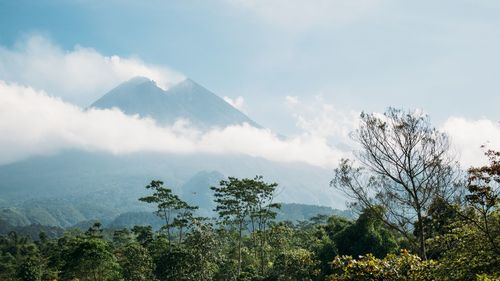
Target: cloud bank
(324,120)
(80,75)
(319,118)
(468,136)
(34,123)
(42,117)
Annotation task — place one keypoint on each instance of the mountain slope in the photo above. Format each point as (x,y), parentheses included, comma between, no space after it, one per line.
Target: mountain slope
(120,179)
(186,100)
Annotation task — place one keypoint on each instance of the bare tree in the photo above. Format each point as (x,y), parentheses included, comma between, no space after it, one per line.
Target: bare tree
(405,164)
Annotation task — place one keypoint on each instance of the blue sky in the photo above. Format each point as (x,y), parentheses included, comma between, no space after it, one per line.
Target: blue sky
(439,56)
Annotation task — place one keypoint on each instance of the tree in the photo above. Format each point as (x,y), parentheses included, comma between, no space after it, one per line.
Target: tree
(143,234)
(170,207)
(203,245)
(30,270)
(136,263)
(184,217)
(262,211)
(405,166)
(121,238)
(295,265)
(470,244)
(90,259)
(174,264)
(95,231)
(367,235)
(439,220)
(231,197)
(19,257)
(196,259)
(464,253)
(243,201)
(484,199)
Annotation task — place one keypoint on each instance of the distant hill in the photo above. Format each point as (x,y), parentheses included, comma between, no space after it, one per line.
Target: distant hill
(301,212)
(196,191)
(288,212)
(187,100)
(58,212)
(17,218)
(131,219)
(32,230)
(118,180)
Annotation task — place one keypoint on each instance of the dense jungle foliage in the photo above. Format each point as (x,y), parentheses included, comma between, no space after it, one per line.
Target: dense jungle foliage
(245,243)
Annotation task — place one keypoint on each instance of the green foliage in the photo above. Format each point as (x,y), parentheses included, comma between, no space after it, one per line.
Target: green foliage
(170,207)
(90,259)
(247,205)
(295,265)
(366,235)
(136,263)
(204,249)
(469,246)
(403,267)
(7,266)
(30,269)
(196,259)
(248,244)
(439,218)
(465,253)
(174,264)
(483,199)
(144,234)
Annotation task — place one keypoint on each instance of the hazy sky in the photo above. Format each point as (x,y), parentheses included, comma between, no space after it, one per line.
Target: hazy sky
(290,64)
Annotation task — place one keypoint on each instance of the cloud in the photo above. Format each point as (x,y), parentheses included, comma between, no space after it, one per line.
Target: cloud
(323,119)
(468,136)
(34,123)
(296,15)
(80,75)
(291,101)
(237,103)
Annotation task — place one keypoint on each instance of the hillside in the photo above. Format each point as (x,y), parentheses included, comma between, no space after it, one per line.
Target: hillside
(67,215)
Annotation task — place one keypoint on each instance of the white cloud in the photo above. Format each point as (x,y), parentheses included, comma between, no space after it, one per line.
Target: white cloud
(33,123)
(80,75)
(297,15)
(291,101)
(237,103)
(323,119)
(468,136)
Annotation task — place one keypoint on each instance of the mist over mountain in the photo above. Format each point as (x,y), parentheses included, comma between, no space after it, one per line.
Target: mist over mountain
(71,186)
(186,100)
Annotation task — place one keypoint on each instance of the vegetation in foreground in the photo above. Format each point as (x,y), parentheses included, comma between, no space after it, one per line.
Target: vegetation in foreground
(420,218)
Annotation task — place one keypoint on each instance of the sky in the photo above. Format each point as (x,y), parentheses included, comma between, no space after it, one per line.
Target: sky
(304,69)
